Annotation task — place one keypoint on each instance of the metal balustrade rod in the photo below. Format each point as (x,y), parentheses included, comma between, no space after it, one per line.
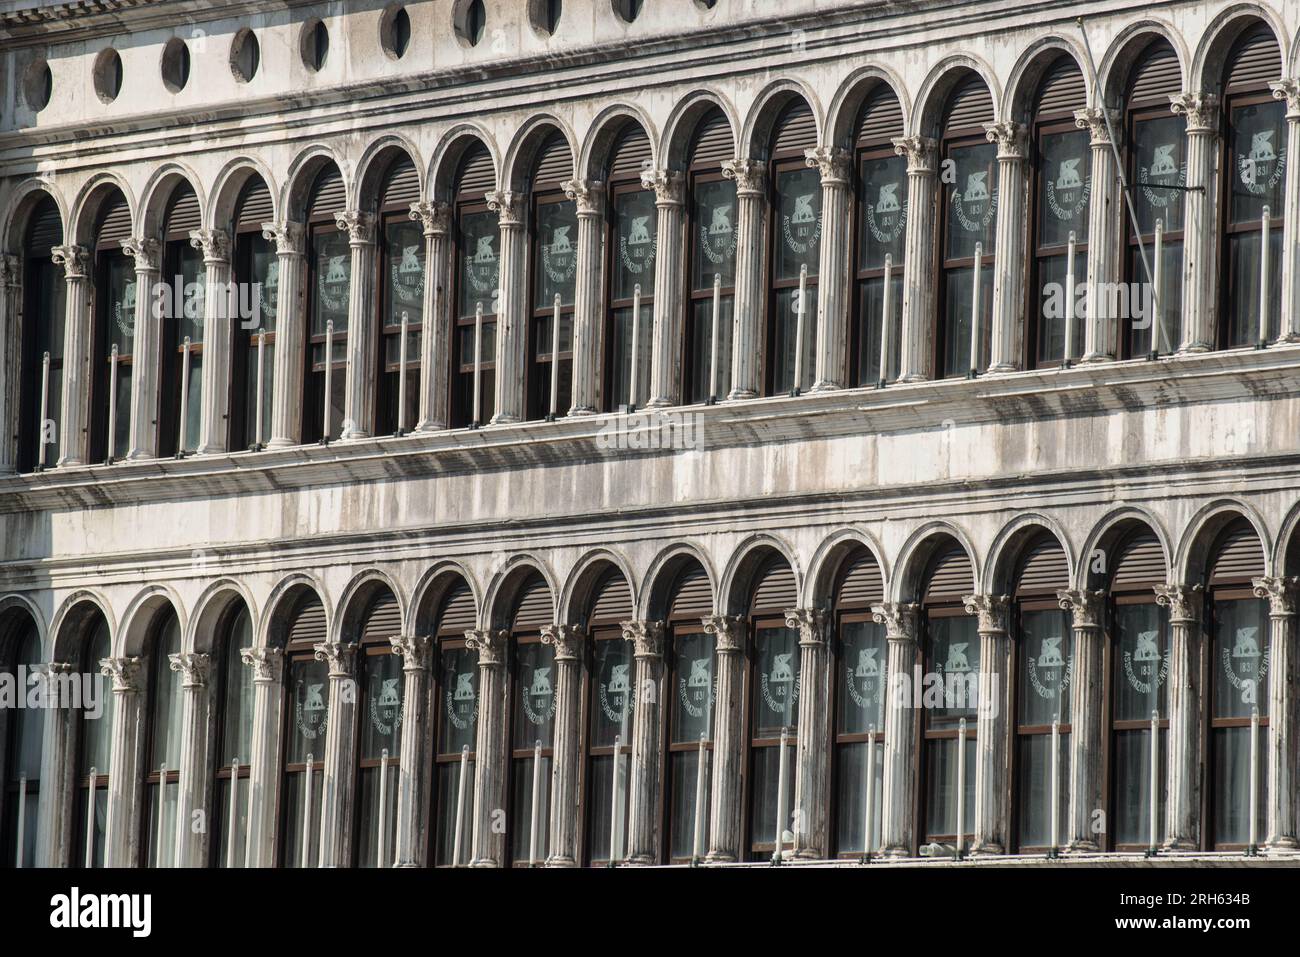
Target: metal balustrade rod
(21,835)
(90,820)
(162,813)
(535,821)
(886,321)
(1055,803)
(961,783)
(45,410)
(261,382)
(1157,287)
(382,843)
(478,365)
(780,795)
(401,375)
(713,343)
(1253,847)
(1153,782)
(112,403)
(461,789)
(800,308)
(555,357)
(636,347)
(975,311)
(232,828)
(306,815)
(868,818)
(1264,319)
(183,440)
(697,846)
(1068,352)
(616,814)
(329,379)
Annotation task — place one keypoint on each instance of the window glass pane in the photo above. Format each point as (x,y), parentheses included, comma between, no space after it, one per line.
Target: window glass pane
(684,772)
(941,791)
(268,392)
(972,200)
(448,796)
(883,209)
(557,254)
(863,674)
(1170,324)
(49,291)
(635,222)
(97,733)
(775,701)
(621,371)
(404,254)
(480,270)
(1141,661)
(785,338)
(1034,788)
(1054,299)
(309,696)
(1065,182)
(851,796)
(713,216)
(521,818)
(368,815)
(702,354)
(167,699)
(692,700)
(193,410)
(28,722)
(601,807)
(1231,769)
(1046,667)
(295,809)
(381,722)
(798,222)
(458,723)
(222,824)
(238,713)
(766,781)
(120,296)
(1257,136)
(1240,658)
(192,277)
(161,812)
(1245,278)
(264,273)
(1132,787)
(953,654)
(957,316)
(534,710)
(1160,157)
(612,679)
(329,300)
(870,313)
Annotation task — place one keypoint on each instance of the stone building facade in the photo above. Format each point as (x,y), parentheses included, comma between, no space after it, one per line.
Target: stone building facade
(490,433)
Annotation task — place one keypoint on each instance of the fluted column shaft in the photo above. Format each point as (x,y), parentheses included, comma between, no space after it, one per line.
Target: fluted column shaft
(834,270)
(338,770)
(359,383)
(898,802)
(415,772)
(264,760)
(992,763)
(728,744)
(290,334)
(490,754)
(11,333)
(918,259)
(1288,329)
(1101,332)
(1200,274)
(56,842)
(566,764)
(812,774)
(666,340)
(125,788)
(74,435)
(512,319)
(588,312)
(1007,340)
(220,305)
(196,733)
(643,833)
(435,321)
(747,326)
(1087,724)
(1283,711)
(1183,787)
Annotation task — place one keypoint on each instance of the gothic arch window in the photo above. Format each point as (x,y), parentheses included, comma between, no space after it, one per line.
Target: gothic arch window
(94,749)
(20,747)
(881,184)
(1137,686)
(610,702)
(477,268)
(113,366)
(1239,665)
(1254,172)
(161,773)
(691,692)
(1042,665)
(950,651)
(633,249)
(329,278)
(256,265)
(796,203)
(43,318)
(773,707)
(379,743)
(456,705)
(306,716)
(401,297)
(711,226)
(859,682)
(232,796)
(532,725)
(182,320)
(1062,183)
(553,267)
(967,226)
(1157,160)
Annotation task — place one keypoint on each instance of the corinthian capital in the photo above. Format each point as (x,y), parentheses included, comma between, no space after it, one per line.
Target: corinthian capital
(568,641)
(127,674)
(490,643)
(1084,605)
(1010,137)
(831,162)
(359,225)
(414,650)
(588,195)
(1183,601)
(919,150)
(215,244)
(433,216)
(1093,119)
(1201,110)
(647,638)
(341,656)
(750,174)
(668,185)
(287,236)
(193,668)
(899,619)
(991,611)
(146,251)
(1288,90)
(73,259)
(1280,592)
(267,663)
(728,632)
(508,205)
(809,622)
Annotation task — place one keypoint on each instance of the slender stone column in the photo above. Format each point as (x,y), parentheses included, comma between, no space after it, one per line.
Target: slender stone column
(589,198)
(196,733)
(666,341)
(264,761)
(1087,725)
(1200,274)
(359,386)
(1007,343)
(644,815)
(125,788)
(74,445)
(490,748)
(338,770)
(220,306)
(435,321)
(290,333)
(11,333)
(1183,798)
(834,270)
(56,840)
(747,326)
(566,763)
(415,770)
(1105,224)
(1289,328)
(512,319)
(918,258)
(728,745)
(812,776)
(992,762)
(1283,710)
(898,802)
(143,441)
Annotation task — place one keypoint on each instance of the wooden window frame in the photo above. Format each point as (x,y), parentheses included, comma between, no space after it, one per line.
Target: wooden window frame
(837,739)
(388,215)
(781,163)
(171,348)
(698,174)
(525,636)
(35,310)
(220,770)
(864,153)
(462,372)
(619,187)
(319,227)
(679,626)
(448,641)
(596,633)
(537,404)
(243,360)
(106,254)
(82,809)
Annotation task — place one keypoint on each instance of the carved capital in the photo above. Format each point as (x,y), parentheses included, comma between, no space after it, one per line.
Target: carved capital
(146,251)
(991,611)
(73,259)
(899,619)
(414,650)
(508,205)
(809,622)
(647,638)
(587,195)
(728,632)
(668,184)
(568,640)
(1093,119)
(490,643)
(1280,592)
(1011,138)
(267,663)
(359,225)
(1085,606)
(341,656)
(434,217)
(831,162)
(194,669)
(288,237)
(1183,601)
(1201,110)
(750,175)
(127,674)
(1288,90)
(215,244)
(920,152)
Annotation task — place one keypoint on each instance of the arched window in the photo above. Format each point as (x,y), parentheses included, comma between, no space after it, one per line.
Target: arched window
(401,296)
(456,703)
(256,264)
(1254,173)
(235,742)
(532,725)
(1062,184)
(967,226)
(1139,668)
(21,741)
(553,265)
(182,320)
(1157,158)
(860,676)
(329,276)
(307,695)
(114,339)
(1239,660)
(633,248)
(774,662)
(379,744)
(162,771)
(94,748)
(706,366)
(43,317)
(881,228)
(478,278)
(610,702)
(1043,662)
(950,653)
(796,200)
(691,692)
